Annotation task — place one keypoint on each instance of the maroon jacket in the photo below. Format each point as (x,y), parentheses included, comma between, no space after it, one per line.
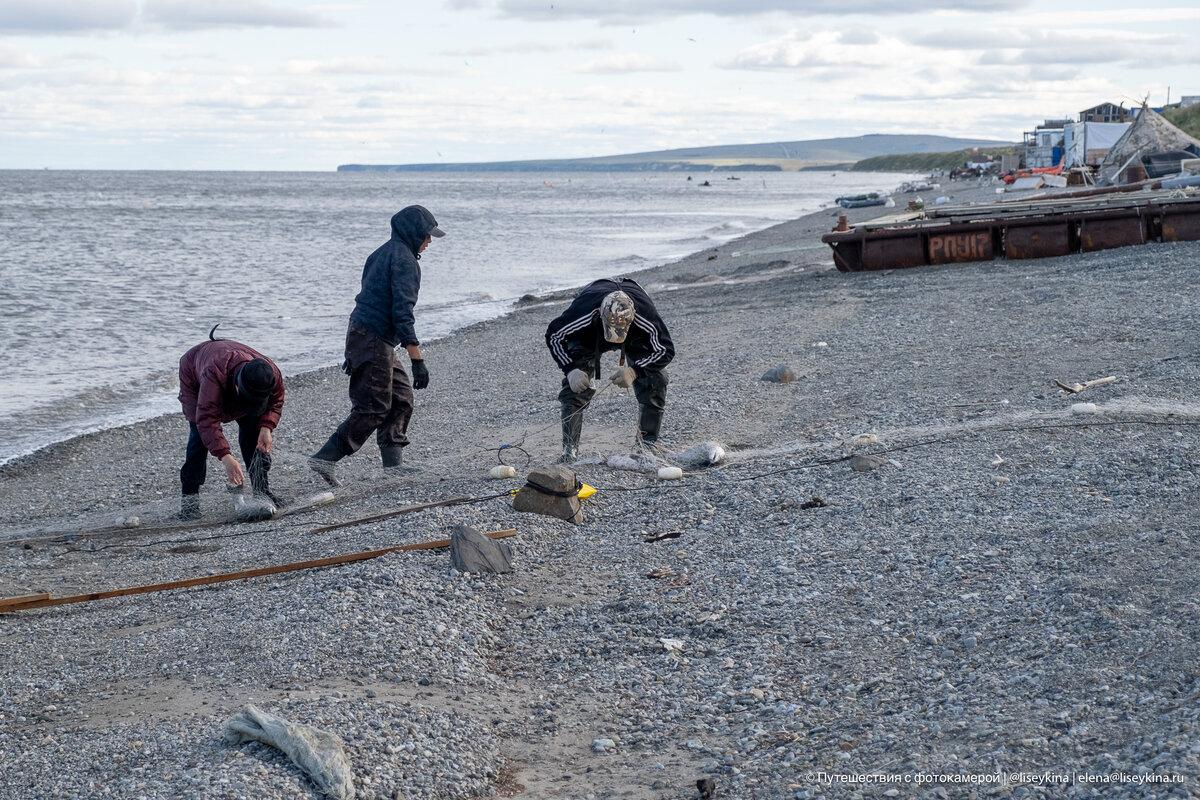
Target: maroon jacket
(208,394)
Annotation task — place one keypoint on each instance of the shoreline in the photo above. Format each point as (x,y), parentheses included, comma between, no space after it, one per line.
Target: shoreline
(20,460)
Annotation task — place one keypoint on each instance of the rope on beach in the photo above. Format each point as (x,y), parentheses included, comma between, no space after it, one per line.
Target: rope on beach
(455,501)
(1139,411)
(1081,423)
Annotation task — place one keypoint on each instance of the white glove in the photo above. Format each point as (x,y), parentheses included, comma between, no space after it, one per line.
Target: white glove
(579,381)
(623,377)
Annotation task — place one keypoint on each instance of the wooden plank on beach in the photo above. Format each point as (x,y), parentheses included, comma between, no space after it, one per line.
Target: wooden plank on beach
(30,602)
(23,600)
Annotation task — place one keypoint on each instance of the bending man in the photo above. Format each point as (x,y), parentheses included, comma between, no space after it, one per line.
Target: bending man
(223,381)
(611,315)
(381,396)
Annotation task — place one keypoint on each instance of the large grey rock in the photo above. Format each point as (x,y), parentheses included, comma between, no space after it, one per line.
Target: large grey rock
(780,374)
(554,478)
(865,463)
(471,551)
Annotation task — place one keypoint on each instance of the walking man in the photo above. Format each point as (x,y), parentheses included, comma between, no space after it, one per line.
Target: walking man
(222,381)
(611,314)
(381,396)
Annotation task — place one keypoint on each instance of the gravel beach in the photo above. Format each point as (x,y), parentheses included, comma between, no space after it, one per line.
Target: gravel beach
(995,580)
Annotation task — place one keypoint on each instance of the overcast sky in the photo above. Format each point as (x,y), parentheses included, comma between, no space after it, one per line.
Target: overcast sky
(288,84)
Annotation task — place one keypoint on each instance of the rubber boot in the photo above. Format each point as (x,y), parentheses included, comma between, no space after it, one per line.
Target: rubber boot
(324,461)
(572,431)
(649,423)
(259,466)
(392,457)
(189,507)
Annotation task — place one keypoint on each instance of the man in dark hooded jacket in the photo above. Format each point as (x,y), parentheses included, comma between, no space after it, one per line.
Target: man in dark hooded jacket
(380,394)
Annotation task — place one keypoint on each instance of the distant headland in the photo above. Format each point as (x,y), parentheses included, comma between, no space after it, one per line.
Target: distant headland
(836,153)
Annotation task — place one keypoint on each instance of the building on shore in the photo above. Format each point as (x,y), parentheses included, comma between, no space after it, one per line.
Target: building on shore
(1044,144)
(1105,112)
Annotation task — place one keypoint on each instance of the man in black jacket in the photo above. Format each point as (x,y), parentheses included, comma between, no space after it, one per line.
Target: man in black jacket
(380,394)
(611,315)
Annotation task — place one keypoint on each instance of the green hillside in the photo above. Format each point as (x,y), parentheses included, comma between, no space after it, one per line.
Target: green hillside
(926,162)
(1187,119)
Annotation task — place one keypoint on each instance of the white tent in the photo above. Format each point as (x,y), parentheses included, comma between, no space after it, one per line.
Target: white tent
(1149,133)
(1087,143)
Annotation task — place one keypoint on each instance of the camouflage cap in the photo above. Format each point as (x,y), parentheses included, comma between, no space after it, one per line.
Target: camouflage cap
(616,315)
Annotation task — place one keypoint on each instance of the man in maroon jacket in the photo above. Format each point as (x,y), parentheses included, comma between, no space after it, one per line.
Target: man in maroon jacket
(221,381)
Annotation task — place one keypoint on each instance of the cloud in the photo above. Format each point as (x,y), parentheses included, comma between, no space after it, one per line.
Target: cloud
(66,16)
(239,101)
(186,15)
(1064,47)
(512,48)
(625,63)
(92,16)
(83,55)
(858,37)
(12,58)
(800,49)
(341,66)
(633,10)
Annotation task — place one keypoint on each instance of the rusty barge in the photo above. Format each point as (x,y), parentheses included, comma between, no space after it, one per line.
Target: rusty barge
(1036,228)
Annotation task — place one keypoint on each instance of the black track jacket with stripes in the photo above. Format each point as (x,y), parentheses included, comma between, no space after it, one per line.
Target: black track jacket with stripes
(576,337)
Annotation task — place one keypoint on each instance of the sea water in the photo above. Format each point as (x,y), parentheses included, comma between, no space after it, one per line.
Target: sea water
(106,278)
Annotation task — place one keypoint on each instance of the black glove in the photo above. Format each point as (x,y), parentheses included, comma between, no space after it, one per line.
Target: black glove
(420,374)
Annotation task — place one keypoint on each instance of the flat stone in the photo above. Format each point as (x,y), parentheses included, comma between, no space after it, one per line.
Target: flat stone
(471,551)
(862,463)
(780,374)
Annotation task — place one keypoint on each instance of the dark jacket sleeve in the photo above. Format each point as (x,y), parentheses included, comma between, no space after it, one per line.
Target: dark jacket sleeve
(208,415)
(660,350)
(406,284)
(566,335)
(271,417)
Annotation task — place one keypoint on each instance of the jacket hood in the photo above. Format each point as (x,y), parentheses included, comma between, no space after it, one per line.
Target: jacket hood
(411,225)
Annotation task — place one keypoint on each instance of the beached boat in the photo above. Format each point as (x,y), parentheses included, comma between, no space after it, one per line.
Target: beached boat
(862,200)
(1059,225)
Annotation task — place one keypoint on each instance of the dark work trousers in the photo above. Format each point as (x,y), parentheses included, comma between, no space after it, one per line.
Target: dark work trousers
(381,395)
(195,467)
(650,388)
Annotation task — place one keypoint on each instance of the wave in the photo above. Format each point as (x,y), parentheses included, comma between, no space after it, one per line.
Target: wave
(733,226)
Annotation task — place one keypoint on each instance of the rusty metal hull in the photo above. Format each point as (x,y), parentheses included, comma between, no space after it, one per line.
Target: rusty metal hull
(1015,231)
(1037,241)
(1182,225)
